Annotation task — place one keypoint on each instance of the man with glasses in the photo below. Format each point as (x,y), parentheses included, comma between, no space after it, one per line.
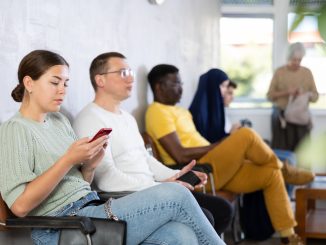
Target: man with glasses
(127,166)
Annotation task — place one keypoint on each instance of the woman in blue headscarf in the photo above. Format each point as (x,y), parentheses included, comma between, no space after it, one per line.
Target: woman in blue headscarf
(207,107)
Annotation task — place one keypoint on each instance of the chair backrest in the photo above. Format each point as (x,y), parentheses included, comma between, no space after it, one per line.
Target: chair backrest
(149,142)
(4,213)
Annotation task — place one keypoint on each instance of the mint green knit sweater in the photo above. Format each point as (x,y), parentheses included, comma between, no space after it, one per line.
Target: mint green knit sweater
(27,149)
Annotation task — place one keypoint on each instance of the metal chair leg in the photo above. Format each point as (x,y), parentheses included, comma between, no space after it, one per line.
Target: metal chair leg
(211,178)
(222,236)
(89,240)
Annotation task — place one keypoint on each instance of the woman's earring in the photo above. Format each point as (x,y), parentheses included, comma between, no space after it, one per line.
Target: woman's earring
(30,92)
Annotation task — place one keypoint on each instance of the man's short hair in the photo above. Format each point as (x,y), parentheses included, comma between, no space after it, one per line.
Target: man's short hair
(100,65)
(232,84)
(158,73)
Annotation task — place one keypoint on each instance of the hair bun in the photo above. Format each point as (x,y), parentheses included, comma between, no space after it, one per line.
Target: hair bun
(18,93)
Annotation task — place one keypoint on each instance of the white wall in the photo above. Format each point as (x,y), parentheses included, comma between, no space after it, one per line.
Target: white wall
(182,32)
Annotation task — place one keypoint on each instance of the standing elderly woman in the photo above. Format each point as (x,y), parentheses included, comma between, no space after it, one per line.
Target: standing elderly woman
(291,79)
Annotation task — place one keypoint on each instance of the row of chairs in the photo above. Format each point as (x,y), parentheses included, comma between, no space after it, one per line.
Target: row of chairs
(203,167)
(80,230)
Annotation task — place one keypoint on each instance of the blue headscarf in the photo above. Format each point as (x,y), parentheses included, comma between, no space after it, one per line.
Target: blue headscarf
(207,107)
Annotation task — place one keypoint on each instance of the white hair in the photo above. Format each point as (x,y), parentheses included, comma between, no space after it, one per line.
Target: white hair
(296,49)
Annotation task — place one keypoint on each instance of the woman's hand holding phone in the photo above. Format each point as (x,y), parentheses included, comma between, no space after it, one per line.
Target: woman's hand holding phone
(87,151)
(92,163)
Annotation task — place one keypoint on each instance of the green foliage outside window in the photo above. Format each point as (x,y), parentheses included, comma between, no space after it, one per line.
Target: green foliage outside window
(306,8)
(250,69)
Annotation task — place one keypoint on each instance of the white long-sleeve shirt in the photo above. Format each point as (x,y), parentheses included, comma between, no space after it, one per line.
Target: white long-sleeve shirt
(126,166)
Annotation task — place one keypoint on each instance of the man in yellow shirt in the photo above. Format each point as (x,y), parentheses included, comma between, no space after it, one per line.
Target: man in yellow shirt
(242,162)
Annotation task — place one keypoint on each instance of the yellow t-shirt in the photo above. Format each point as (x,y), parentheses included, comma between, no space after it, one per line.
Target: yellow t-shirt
(162,120)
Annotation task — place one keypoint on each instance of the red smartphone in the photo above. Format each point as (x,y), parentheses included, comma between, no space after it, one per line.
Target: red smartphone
(101,132)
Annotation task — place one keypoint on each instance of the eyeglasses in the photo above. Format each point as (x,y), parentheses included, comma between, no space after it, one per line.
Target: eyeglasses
(174,83)
(126,72)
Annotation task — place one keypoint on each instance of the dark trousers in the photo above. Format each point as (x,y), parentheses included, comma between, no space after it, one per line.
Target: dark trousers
(287,138)
(221,209)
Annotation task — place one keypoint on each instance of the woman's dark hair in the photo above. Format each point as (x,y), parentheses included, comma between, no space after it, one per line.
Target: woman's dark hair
(35,64)
(232,84)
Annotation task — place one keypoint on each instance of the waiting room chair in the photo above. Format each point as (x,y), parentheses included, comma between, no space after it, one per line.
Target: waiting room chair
(203,167)
(74,230)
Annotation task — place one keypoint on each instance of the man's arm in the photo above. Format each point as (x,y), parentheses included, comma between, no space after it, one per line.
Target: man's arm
(180,154)
(160,171)
(108,177)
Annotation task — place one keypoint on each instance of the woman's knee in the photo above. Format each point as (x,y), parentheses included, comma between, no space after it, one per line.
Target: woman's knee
(172,233)
(174,191)
(182,234)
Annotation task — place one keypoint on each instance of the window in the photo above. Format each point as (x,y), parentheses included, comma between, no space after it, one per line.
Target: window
(249,2)
(246,54)
(251,31)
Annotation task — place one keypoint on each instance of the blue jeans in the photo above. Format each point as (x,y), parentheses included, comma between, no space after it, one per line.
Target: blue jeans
(163,214)
(290,157)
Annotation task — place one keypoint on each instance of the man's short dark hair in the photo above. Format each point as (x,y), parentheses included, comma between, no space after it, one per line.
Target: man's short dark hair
(158,73)
(100,65)
(232,84)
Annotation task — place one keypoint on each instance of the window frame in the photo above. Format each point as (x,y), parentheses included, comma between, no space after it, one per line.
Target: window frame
(279,13)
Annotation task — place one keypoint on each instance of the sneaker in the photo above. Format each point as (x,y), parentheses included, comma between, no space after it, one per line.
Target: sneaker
(296,176)
(293,240)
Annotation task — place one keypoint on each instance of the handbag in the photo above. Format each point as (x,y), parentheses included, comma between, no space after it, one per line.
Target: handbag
(297,109)
(97,231)
(108,232)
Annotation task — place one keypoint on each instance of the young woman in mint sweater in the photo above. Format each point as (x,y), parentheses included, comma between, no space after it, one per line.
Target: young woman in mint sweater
(46,170)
